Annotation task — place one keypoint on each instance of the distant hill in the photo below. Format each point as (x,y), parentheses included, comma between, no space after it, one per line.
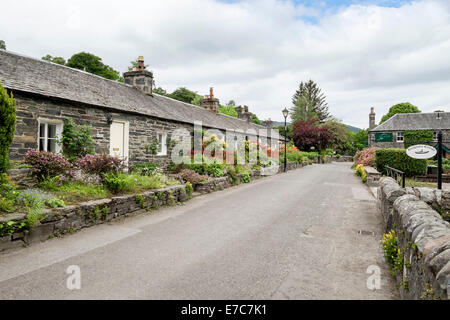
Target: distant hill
(351,128)
(279,123)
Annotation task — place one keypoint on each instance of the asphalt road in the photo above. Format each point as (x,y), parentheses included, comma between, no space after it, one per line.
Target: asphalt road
(289,236)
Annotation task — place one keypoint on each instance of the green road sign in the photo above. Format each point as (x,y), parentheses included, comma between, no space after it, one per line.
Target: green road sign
(383,137)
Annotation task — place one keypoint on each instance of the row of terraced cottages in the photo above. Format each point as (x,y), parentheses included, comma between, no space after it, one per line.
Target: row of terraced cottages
(124,117)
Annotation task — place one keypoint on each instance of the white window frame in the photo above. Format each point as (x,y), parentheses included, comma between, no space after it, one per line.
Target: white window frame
(400,137)
(59,128)
(162,143)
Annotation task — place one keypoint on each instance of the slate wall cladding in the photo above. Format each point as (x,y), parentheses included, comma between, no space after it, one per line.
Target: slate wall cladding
(423,238)
(143,129)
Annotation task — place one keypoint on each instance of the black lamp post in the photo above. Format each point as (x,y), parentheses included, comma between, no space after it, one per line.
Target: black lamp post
(439,155)
(285,114)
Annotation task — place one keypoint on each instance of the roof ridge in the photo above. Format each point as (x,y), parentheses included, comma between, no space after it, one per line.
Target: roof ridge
(62,66)
(203,109)
(83,80)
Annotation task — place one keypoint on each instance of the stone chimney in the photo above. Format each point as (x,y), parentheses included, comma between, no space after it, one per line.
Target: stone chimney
(267,123)
(243,113)
(371,119)
(209,102)
(139,77)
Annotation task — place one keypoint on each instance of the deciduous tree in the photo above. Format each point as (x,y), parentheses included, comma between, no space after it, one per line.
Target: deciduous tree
(307,134)
(58,60)
(93,64)
(404,107)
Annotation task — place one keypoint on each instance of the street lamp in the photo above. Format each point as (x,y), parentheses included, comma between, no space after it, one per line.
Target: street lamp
(439,154)
(285,114)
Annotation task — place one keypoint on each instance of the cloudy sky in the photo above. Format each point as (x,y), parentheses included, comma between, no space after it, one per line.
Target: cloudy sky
(362,53)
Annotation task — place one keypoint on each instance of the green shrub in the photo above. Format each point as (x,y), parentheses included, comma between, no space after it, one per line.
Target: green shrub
(6,205)
(361,172)
(392,252)
(215,169)
(245,178)
(35,213)
(231,172)
(145,169)
(398,159)
(189,188)
(55,203)
(76,140)
(115,182)
(7,127)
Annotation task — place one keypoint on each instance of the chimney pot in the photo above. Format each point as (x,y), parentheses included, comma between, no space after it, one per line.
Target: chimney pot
(139,77)
(209,102)
(372,118)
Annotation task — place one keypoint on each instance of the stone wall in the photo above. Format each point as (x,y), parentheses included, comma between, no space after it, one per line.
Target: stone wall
(143,130)
(343,159)
(423,239)
(69,219)
(221,183)
(373,176)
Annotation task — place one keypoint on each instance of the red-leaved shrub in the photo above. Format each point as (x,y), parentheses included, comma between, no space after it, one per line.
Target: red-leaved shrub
(98,164)
(192,176)
(366,157)
(47,164)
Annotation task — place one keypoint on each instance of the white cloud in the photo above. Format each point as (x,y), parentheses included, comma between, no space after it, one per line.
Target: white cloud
(255,52)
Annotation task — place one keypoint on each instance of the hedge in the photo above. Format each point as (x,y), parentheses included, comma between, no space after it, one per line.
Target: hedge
(398,159)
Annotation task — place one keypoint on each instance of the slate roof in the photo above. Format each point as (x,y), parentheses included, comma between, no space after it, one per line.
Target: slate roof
(18,72)
(415,121)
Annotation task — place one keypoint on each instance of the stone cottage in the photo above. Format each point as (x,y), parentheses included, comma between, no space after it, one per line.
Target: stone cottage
(124,117)
(389,134)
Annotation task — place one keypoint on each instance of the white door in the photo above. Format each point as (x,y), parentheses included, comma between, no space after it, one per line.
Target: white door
(117,140)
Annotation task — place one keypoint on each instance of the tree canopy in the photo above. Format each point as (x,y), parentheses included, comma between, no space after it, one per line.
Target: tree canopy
(93,64)
(309,102)
(185,95)
(2,45)
(58,60)
(404,107)
(307,134)
(228,110)
(255,119)
(134,64)
(340,135)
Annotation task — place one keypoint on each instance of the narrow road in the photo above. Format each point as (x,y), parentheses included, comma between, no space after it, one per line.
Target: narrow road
(290,236)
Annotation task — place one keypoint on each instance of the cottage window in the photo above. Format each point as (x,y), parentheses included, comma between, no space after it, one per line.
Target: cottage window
(162,144)
(400,137)
(435,136)
(49,133)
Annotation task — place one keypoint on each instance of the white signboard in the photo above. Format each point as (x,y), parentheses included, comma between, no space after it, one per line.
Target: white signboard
(421,151)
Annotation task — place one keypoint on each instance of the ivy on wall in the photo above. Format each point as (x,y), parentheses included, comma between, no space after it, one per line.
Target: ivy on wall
(412,137)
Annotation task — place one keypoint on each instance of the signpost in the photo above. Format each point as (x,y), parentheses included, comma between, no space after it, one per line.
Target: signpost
(423,151)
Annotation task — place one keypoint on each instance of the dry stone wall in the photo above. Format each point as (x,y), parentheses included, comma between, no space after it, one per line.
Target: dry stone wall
(60,221)
(423,239)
